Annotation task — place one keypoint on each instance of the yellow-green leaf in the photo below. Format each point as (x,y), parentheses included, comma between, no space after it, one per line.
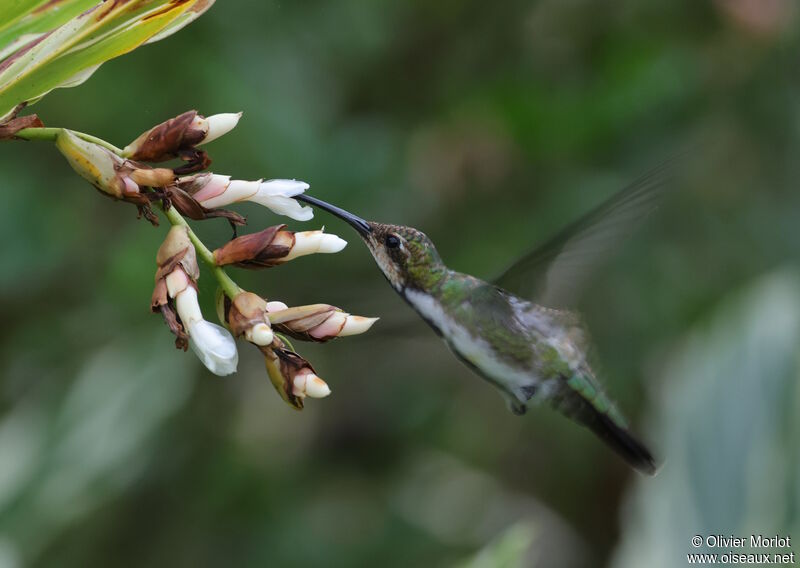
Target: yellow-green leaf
(67,54)
(25,20)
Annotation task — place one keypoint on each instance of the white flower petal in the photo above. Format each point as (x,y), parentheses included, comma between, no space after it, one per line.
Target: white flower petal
(177,281)
(282,187)
(284,206)
(260,334)
(220,124)
(356,324)
(237,190)
(311,242)
(316,387)
(331,244)
(187,306)
(299,386)
(330,327)
(309,384)
(276,306)
(215,185)
(214,346)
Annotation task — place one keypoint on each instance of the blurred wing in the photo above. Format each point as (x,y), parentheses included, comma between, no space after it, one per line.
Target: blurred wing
(554,273)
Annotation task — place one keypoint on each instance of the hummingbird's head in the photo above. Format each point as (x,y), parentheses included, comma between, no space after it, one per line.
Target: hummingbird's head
(406,256)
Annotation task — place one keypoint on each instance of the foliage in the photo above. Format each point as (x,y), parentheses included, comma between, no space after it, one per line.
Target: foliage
(508,550)
(742,363)
(61,43)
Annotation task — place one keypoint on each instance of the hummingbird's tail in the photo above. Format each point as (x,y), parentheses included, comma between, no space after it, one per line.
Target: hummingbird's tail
(580,398)
(622,441)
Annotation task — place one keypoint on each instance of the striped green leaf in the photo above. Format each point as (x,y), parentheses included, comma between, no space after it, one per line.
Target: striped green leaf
(47,44)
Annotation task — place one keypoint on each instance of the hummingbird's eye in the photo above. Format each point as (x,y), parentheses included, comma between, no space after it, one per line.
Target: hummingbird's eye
(392,241)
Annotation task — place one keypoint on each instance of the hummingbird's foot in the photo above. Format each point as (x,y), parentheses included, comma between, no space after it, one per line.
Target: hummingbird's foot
(530,391)
(516,407)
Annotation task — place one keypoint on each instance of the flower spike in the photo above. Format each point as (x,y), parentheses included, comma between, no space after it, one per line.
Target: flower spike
(175,297)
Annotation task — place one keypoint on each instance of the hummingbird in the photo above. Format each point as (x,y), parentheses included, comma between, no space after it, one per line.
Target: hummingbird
(531,351)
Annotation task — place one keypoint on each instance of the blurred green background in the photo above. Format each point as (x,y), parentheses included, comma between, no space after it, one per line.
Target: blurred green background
(488,126)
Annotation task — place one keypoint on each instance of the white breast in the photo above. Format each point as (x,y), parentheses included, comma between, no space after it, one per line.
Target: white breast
(471,348)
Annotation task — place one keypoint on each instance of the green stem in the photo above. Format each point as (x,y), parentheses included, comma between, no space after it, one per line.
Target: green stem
(50,135)
(228,286)
(286,341)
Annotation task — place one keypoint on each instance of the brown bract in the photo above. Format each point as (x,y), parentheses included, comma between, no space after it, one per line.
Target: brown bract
(175,253)
(164,141)
(143,174)
(173,138)
(244,312)
(301,320)
(264,249)
(125,185)
(283,365)
(190,207)
(10,127)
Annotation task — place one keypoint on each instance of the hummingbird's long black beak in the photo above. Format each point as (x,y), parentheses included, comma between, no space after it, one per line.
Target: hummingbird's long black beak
(357,223)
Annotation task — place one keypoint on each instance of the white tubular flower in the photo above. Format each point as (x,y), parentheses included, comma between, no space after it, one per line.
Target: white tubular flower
(212,344)
(277,195)
(275,306)
(311,242)
(316,322)
(341,324)
(260,334)
(292,376)
(178,136)
(274,246)
(310,385)
(246,316)
(217,125)
(214,190)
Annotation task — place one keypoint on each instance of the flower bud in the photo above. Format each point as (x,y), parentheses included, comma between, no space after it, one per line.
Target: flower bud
(318,322)
(259,334)
(292,376)
(218,125)
(310,385)
(276,306)
(113,176)
(246,316)
(95,164)
(177,249)
(177,136)
(214,190)
(152,177)
(257,250)
(310,242)
(274,246)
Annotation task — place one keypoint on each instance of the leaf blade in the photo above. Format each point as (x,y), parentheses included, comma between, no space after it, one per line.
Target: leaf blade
(67,55)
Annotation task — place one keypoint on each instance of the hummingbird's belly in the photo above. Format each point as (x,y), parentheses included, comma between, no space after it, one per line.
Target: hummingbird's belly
(475,351)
